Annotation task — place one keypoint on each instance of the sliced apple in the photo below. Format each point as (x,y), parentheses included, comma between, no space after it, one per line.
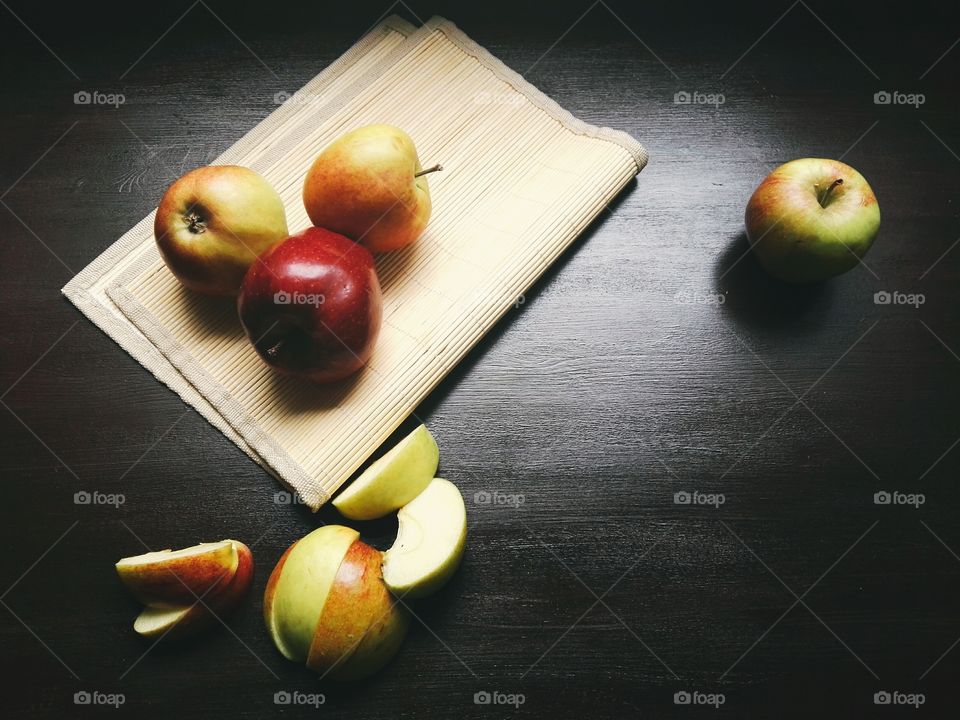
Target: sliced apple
(204,609)
(299,585)
(393,480)
(430,541)
(361,625)
(172,579)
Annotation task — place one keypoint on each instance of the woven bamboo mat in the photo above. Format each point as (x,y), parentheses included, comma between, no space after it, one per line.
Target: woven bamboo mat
(522,178)
(88,290)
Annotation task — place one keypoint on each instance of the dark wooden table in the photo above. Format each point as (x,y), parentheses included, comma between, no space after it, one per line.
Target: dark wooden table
(621,381)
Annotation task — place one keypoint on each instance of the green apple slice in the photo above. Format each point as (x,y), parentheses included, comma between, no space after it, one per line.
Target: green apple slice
(430,541)
(393,480)
(294,600)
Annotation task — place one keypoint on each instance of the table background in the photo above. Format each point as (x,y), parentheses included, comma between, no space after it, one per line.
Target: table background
(620,381)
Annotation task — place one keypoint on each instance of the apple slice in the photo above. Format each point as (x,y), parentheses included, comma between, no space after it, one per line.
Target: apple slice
(203,610)
(168,579)
(361,624)
(430,541)
(393,480)
(299,586)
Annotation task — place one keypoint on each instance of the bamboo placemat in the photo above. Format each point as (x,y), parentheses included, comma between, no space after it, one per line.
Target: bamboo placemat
(522,178)
(88,289)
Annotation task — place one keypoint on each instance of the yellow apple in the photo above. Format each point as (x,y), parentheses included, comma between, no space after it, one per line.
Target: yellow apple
(430,541)
(393,480)
(212,224)
(369,185)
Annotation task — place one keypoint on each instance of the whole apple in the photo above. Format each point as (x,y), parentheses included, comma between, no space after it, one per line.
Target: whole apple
(213,222)
(312,305)
(811,219)
(369,186)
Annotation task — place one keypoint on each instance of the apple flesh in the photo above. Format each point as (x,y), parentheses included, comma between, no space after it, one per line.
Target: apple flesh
(202,610)
(312,306)
(430,542)
(392,480)
(213,222)
(369,185)
(326,605)
(811,219)
(167,579)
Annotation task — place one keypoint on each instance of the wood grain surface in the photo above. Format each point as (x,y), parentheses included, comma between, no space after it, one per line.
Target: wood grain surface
(621,379)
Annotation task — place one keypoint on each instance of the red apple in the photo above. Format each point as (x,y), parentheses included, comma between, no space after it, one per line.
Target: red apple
(312,305)
(213,222)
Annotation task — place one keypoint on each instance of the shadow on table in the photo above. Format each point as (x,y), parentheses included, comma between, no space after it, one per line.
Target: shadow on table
(758,300)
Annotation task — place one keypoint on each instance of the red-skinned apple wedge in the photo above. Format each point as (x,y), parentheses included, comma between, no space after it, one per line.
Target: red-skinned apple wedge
(167,579)
(203,610)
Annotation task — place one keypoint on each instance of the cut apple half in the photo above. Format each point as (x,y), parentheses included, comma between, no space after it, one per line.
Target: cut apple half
(170,579)
(392,480)
(430,541)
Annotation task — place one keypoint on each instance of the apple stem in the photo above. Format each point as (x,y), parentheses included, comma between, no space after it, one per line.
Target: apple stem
(436,167)
(825,197)
(274,350)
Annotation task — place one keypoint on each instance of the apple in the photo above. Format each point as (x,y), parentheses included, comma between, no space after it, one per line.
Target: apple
(170,579)
(213,222)
(393,480)
(326,605)
(201,610)
(811,219)
(430,541)
(369,185)
(312,306)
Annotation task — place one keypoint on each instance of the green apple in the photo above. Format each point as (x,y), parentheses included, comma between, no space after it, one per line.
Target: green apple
(326,605)
(368,185)
(811,219)
(393,480)
(212,224)
(202,609)
(430,541)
